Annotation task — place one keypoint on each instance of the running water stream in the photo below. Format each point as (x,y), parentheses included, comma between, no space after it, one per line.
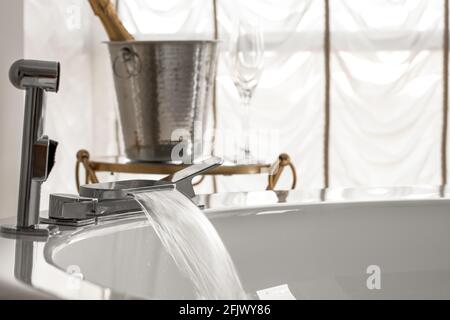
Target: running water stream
(193,243)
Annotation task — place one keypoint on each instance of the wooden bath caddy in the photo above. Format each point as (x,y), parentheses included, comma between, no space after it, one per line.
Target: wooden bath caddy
(123,165)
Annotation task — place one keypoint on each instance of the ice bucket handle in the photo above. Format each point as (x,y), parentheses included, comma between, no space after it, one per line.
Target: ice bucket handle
(127,63)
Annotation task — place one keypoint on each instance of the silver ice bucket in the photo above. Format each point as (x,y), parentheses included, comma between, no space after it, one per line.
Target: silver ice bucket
(163,91)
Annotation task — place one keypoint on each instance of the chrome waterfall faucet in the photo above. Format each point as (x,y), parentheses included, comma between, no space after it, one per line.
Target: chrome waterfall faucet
(115,200)
(38,151)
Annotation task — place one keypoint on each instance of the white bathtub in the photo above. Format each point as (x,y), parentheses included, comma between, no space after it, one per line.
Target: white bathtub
(318,249)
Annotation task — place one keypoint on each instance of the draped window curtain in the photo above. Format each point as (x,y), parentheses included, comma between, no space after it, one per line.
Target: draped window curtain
(355,90)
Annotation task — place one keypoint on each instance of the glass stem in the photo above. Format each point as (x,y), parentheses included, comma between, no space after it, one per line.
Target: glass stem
(245,100)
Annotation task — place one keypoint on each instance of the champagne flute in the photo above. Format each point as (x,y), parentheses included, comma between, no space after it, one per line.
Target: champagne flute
(246,58)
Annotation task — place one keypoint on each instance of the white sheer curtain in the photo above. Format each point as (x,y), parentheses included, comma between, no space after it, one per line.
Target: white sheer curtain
(386,83)
(386,97)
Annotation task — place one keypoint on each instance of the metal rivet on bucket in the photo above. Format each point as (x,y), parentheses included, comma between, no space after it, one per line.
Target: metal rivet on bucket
(126,64)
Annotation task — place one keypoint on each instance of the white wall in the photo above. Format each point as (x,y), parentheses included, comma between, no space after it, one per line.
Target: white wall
(81,114)
(11,105)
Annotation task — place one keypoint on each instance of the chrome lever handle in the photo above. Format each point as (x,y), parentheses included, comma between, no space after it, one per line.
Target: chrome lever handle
(183,178)
(194,170)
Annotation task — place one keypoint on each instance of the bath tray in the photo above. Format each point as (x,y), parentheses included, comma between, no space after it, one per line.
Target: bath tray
(120,164)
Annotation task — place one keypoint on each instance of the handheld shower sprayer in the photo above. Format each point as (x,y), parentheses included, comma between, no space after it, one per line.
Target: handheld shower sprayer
(44,75)
(38,151)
